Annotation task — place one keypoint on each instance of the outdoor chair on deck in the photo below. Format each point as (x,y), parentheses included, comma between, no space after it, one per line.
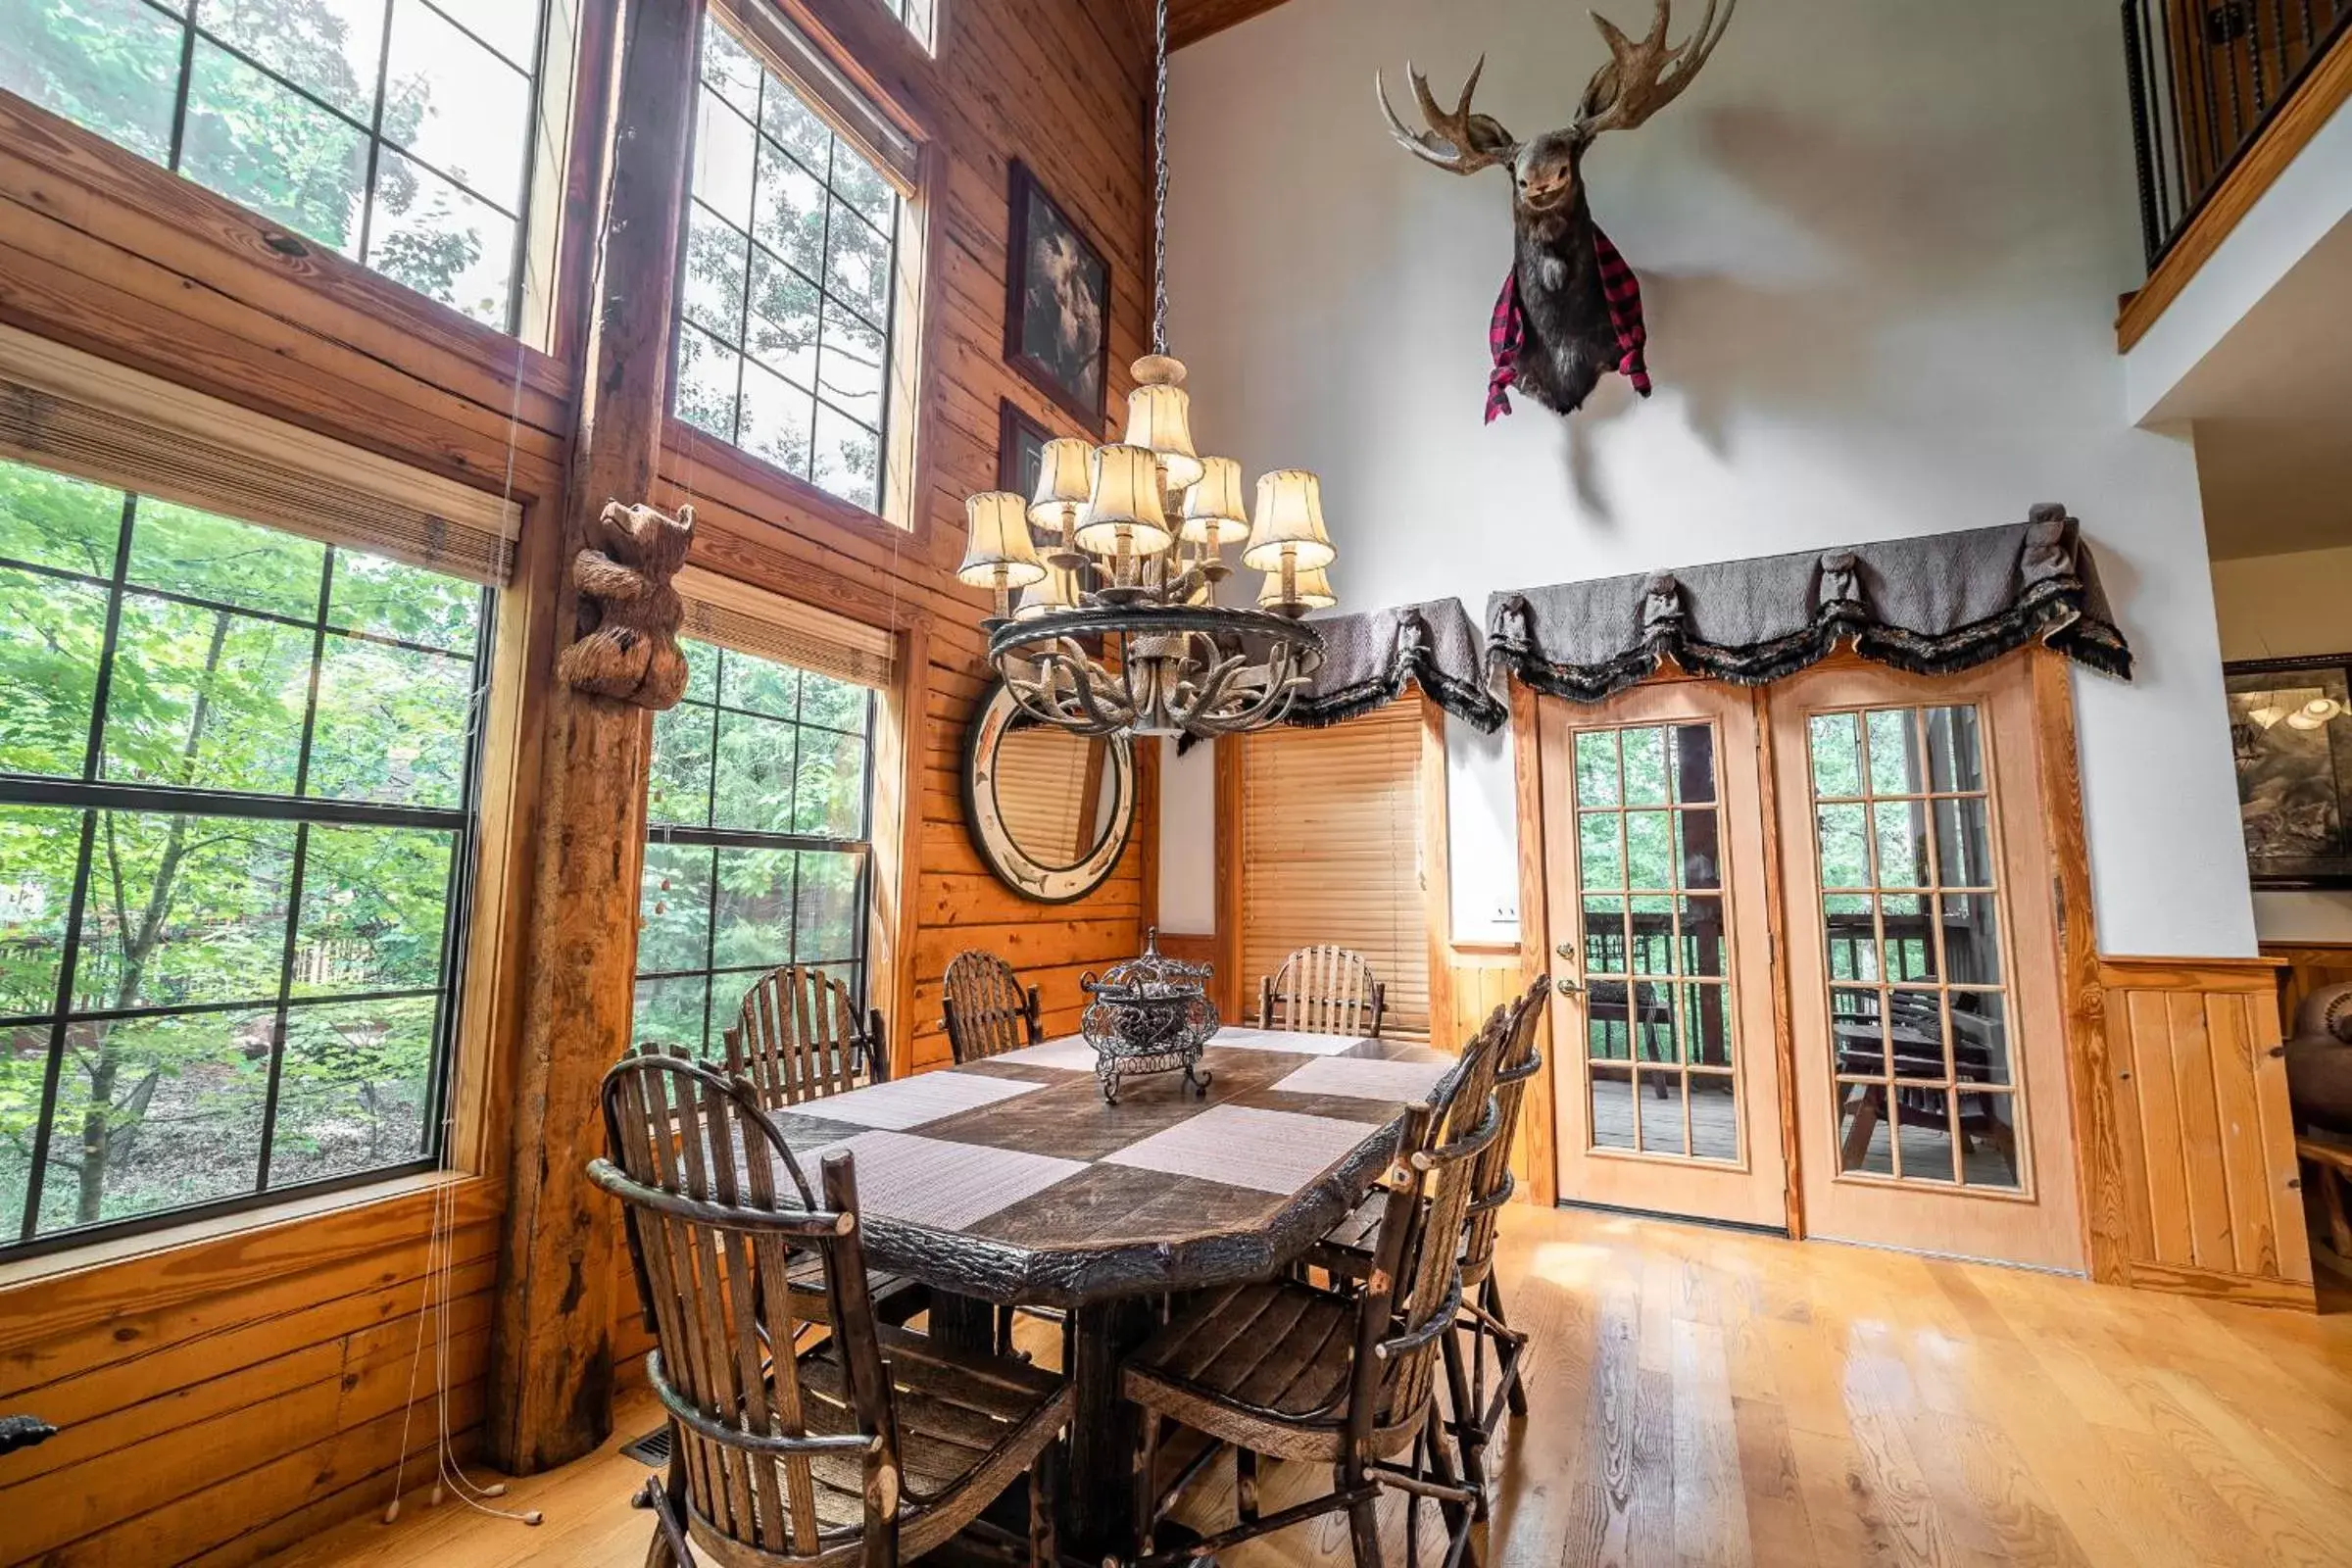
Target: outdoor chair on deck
(1322,990)
(877,1445)
(1347,1252)
(985,1009)
(1344,1379)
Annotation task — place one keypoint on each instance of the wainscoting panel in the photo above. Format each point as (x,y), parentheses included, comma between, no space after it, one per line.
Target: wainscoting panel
(2212,1201)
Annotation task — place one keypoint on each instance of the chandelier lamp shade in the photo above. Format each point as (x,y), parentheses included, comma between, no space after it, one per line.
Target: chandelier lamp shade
(1119,629)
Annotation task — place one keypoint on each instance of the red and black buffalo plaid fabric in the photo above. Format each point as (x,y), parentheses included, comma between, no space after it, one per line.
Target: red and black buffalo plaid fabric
(1506,331)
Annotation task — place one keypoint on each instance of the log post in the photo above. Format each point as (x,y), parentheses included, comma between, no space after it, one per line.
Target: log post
(550,1373)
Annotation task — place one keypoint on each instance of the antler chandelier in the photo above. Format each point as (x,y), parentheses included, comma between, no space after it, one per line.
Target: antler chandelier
(1118,629)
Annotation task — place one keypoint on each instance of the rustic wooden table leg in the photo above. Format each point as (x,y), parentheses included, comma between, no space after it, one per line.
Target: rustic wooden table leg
(963,1323)
(1097,1485)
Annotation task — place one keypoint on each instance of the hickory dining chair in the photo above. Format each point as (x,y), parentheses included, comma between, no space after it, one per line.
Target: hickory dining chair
(1351,1378)
(985,1009)
(798,1039)
(1346,1253)
(1323,990)
(870,1448)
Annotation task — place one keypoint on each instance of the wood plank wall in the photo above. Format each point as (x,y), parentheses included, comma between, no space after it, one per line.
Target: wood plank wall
(229,1396)
(2199,1091)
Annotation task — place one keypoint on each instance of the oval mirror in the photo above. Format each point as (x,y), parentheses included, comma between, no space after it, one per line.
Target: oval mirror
(1048,810)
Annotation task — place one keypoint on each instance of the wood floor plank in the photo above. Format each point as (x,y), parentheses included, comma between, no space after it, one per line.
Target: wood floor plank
(1701,1396)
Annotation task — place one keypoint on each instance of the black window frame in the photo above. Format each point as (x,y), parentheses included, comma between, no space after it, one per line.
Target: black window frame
(677,835)
(189,22)
(682,323)
(92,795)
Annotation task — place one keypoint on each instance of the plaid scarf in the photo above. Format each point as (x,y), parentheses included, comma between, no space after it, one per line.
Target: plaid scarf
(1506,330)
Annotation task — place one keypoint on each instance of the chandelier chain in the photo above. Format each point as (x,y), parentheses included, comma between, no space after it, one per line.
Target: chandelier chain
(1159,192)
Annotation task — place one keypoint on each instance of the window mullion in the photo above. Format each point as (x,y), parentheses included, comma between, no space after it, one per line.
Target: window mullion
(53,1071)
(286,987)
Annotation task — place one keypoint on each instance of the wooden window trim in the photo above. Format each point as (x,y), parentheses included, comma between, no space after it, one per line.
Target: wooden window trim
(869,80)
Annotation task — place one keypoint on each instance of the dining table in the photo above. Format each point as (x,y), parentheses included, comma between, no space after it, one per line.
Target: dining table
(1011,1181)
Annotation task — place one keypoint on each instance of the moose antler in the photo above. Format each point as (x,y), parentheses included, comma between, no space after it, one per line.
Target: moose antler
(1636,83)
(1461,141)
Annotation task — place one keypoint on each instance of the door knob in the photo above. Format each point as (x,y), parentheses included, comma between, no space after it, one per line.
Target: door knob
(1567,987)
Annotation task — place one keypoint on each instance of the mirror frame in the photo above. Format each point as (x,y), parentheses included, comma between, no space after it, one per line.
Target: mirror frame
(1017,869)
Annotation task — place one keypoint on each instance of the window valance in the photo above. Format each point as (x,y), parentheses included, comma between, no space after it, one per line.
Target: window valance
(1932,604)
(752,620)
(74,412)
(1370,657)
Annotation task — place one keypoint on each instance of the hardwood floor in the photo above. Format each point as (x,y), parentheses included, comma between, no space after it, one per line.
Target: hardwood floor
(1705,1397)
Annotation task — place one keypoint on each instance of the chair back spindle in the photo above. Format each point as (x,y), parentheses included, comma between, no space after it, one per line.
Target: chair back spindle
(1420,1237)
(985,1010)
(799,1039)
(697,1166)
(1323,990)
(1490,1185)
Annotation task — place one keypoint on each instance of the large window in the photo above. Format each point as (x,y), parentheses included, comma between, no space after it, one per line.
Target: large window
(789,281)
(237,795)
(397,132)
(759,851)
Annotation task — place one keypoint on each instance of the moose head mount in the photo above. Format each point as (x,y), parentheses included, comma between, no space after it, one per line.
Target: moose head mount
(1571,309)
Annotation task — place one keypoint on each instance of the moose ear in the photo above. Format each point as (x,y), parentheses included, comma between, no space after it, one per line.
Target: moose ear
(1487,137)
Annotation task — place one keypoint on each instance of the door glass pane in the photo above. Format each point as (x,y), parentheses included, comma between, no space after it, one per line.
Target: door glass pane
(1918,1013)
(1649,827)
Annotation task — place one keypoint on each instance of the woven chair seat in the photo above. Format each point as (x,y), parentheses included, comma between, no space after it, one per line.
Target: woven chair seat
(1263,1367)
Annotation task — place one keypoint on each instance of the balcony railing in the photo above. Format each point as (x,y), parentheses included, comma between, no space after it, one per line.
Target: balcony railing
(2207,76)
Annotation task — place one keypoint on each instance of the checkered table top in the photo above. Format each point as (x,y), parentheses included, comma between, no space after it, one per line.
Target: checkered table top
(1011,1180)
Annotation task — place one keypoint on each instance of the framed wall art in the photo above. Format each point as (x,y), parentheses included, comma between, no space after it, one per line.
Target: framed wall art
(1057,302)
(2291,734)
(1020,449)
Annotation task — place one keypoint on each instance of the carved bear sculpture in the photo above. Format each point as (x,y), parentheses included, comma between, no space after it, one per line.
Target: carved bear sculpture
(627,647)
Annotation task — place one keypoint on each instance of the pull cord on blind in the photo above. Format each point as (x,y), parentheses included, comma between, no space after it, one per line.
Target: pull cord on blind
(74,412)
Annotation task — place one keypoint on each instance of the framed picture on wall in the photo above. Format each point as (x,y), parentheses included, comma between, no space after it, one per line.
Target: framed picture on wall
(2291,734)
(1057,302)
(1020,449)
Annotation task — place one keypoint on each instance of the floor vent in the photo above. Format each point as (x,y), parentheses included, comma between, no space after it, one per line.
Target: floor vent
(650,1449)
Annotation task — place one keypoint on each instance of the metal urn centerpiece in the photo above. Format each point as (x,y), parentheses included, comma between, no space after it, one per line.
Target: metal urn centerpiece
(1149,1014)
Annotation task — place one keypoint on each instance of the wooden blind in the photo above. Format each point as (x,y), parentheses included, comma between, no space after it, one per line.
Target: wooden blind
(1048,791)
(77,414)
(1331,825)
(752,620)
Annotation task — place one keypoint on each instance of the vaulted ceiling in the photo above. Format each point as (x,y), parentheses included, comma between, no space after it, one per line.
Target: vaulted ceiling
(1191,20)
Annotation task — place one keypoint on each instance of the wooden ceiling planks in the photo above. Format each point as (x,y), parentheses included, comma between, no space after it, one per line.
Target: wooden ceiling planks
(1191,20)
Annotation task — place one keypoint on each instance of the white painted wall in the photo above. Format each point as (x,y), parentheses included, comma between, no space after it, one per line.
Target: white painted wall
(1187,840)
(2283,606)
(1881,244)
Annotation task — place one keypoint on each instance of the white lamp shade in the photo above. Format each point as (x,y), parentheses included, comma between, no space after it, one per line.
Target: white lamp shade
(996,552)
(1308,586)
(1058,591)
(1290,514)
(1125,506)
(1064,480)
(1161,417)
(1215,512)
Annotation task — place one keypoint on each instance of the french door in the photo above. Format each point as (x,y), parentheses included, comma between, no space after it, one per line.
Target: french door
(1932,1107)
(1664,1069)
